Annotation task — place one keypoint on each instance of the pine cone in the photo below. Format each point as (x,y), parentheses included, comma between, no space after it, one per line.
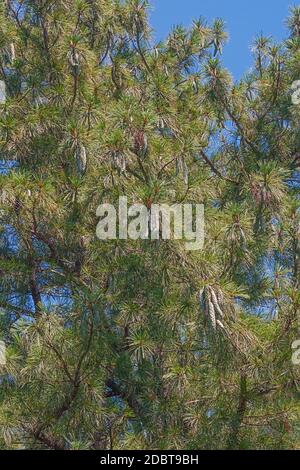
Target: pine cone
(140,144)
(81,159)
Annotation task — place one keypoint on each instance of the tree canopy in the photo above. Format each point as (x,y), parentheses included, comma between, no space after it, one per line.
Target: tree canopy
(124,344)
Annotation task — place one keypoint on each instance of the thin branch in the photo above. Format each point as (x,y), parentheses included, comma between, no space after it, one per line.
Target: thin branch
(214,169)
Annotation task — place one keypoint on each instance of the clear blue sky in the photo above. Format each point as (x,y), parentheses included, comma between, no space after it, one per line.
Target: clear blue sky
(244,20)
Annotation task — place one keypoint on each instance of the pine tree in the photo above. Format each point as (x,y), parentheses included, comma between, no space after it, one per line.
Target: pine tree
(126,344)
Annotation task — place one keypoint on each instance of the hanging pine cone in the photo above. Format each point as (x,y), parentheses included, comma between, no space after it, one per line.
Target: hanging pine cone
(17,205)
(161,123)
(2,92)
(195,86)
(185,174)
(211,303)
(236,235)
(140,144)
(81,159)
(74,60)
(179,165)
(182,168)
(12,52)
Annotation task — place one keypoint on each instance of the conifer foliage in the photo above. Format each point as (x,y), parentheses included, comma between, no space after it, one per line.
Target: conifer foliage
(142,344)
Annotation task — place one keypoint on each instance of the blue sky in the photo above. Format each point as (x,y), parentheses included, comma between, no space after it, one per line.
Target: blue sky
(244,19)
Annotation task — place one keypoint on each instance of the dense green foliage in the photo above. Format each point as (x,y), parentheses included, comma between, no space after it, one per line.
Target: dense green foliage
(108,346)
